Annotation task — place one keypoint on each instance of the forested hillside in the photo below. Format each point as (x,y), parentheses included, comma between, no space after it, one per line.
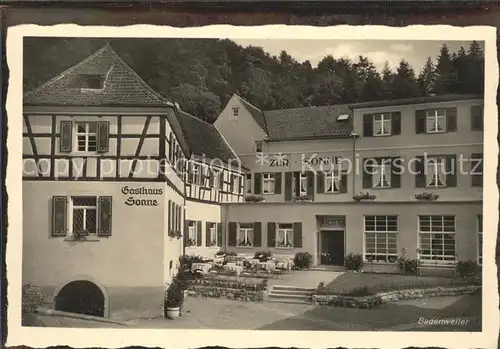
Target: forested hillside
(201,75)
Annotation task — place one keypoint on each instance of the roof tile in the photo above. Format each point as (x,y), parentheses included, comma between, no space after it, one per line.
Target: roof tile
(123,87)
(204,139)
(308,122)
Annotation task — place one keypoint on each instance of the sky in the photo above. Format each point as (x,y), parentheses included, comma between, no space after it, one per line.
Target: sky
(378,51)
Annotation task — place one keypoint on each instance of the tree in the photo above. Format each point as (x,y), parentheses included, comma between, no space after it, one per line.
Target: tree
(203,74)
(370,82)
(405,83)
(446,76)
(427,78)
(387,81)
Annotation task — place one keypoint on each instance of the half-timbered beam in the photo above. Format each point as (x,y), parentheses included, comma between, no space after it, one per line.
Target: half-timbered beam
(139,146)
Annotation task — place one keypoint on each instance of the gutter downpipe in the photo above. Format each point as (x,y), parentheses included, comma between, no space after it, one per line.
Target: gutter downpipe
(354,136)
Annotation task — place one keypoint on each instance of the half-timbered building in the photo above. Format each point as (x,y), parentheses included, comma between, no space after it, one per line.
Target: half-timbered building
(114,180)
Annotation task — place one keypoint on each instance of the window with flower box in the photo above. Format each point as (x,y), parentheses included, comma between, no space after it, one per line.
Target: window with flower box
(84,215)
(437,238)
(480,239)
(81,216)
(381,238)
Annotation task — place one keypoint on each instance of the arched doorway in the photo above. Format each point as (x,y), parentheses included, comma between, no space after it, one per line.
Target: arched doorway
(81,297)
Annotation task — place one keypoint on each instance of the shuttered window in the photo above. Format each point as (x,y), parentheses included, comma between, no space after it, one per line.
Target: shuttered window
(436,120)
(244,236)
(88,136)
(80,217)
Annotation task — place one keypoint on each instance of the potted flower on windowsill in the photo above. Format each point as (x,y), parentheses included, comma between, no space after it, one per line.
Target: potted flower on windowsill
(426,196)
(80,234)
(175,298)
(191,242)
(364,196)
(303,198)
(254,198)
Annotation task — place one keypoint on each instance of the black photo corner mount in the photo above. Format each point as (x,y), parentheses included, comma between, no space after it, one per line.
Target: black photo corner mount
(196,13)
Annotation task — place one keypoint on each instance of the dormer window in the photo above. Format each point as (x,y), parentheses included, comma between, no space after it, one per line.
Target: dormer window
(90,81)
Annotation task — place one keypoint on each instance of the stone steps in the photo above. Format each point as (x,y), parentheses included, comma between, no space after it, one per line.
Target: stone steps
(291,294)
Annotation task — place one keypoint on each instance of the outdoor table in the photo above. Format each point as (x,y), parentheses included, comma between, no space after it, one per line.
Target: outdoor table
(254,261)
(233,267)
(268,266)
(204,267)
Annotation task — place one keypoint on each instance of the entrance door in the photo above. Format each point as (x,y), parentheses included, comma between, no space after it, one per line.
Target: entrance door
(332,247)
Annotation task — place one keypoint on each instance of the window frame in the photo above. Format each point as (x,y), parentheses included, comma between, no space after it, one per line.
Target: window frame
(384,117)
(192,242)
(86,134)
(212,230)
(332,176)
(288,235)
(435,117)
(248,184)
(385,168)
(258,145)
(248,232)
(197,171)
(268,177)
(387,233)
(236,112)
(436,161)
(443,260)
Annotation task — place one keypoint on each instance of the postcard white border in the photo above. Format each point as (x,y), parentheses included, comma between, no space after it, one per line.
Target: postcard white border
(113,338)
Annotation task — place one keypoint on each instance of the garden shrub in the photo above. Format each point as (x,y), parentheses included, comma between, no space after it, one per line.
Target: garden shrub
(230,283)
(408,266)
(302,260)
(467,268)
(263,256)
(353,261)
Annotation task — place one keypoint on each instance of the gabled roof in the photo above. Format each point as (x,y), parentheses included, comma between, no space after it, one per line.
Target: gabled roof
(204,139)
(256,113)
(308,123)
(321,122)
(122,87)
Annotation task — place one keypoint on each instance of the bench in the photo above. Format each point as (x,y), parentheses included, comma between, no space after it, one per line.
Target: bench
(437,267)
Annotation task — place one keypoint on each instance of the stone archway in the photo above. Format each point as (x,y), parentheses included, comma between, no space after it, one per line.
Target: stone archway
(82,297)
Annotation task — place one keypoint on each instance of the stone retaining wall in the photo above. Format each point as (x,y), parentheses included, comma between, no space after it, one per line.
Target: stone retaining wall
(227,293)
(391,296)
